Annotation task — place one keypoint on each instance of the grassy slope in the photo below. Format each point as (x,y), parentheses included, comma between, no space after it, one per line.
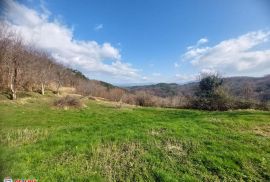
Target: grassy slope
(102,143)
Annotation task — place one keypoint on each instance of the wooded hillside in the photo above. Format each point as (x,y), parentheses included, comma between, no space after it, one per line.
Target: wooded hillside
(24,68)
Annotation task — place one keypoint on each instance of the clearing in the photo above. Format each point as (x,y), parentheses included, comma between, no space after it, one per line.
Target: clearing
(102,142)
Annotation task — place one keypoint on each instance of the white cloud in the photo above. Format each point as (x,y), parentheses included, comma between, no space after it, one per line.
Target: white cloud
(238,56)
(185,77)
(176,65)
(145,78)
(202,41)
(208,71)
(46,13)
(199,43)
(156,74)
(98,27)
(58,39)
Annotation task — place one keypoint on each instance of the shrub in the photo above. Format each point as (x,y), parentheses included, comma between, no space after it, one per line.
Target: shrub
(251,104)
(211,95)
(129,99)
(143,99)
(264,106)
(68,101)
(244,104)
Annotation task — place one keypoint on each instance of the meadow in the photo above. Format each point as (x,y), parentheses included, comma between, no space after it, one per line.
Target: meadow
(103,142)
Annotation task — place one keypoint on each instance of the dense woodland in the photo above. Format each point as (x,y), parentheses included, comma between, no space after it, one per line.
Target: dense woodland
(25,68)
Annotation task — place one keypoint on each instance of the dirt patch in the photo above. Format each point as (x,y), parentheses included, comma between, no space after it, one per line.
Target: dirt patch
(263,130)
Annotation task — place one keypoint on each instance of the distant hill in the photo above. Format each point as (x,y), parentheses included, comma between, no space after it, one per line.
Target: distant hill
(166,89)
(80,75)
(260,85)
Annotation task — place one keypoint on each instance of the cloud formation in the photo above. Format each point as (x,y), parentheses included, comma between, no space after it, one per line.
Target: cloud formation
(185,77)
(244,55)
(247,54)
(202,41)
(39,29)
(199,42)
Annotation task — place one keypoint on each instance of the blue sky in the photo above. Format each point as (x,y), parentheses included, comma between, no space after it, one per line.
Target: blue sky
(150,41)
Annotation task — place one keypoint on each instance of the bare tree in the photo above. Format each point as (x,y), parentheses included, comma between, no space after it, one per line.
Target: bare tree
(60,76)
(44,71)
(5,47)
(248,90)
(15,57)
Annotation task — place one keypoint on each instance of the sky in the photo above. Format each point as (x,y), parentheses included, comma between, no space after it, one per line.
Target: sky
(147,41)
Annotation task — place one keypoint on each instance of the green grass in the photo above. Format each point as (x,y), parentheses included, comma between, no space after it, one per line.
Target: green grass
(105,143)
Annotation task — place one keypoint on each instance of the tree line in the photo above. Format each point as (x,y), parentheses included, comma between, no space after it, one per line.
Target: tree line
(26,68)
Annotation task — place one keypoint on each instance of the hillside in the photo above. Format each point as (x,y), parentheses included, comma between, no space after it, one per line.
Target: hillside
(101,142)
(261,87)
(25,68)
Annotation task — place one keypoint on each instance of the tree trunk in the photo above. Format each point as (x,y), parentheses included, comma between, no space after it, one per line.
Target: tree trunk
(58,88)
(121,101)
(13,84)
(42,89)
(13,92)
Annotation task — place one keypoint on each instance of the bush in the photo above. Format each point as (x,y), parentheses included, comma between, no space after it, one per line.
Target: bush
(68,101)
(142,98)
(211,95)
(251,104)
(243,104)
(209,104)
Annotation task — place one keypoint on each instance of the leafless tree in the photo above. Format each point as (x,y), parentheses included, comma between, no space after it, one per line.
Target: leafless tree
(5,46)
(44,71)
(248,90)
(15,58)
(60,77)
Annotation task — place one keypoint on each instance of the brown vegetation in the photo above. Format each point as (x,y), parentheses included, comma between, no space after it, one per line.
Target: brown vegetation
(68,101)
(25,68)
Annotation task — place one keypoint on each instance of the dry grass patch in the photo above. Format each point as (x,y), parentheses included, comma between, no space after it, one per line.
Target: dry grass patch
(67,90)
(73,163)
(176,150)
(215,120)
(113,162)
(22,136)
(68,102)
(263,130)
(25,100)
(120,163)
(115,104)
(174,147)
(156,132)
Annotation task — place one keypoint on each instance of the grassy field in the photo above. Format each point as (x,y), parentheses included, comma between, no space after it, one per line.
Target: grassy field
(104,143)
